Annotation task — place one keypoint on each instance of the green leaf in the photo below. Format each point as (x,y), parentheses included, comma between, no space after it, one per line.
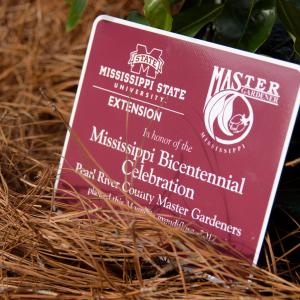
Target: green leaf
(193,3)
(289,14)
(192,20)
(259,26)
(245,24)
(297,46)
(76,10)
(158,13)
(174,1)
(136,17)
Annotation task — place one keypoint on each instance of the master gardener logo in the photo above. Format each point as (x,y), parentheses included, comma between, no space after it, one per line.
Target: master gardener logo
(228,113)
(228,117)
(144,61)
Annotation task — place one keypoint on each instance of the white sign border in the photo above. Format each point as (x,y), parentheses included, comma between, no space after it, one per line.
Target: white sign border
(209,45)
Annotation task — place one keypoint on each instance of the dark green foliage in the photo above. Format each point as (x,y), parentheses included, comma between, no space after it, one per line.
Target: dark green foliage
(191,20)
(134,16)
(77,7)
(158,13)
(245,24)
(289,13)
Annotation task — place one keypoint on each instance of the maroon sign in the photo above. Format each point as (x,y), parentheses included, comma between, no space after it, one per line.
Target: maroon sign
(187,128)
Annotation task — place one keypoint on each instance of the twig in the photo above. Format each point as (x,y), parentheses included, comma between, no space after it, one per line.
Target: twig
(293,163)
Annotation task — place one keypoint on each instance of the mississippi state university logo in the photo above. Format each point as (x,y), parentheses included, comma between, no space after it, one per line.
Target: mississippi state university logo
(148,62)
(228,112)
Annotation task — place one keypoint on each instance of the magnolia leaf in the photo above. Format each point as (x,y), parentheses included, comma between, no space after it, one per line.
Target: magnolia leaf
(289,14)
(297,47)
(245,24)
(158,13)
(77,7)
(192,20)
(259,25)
(136,17)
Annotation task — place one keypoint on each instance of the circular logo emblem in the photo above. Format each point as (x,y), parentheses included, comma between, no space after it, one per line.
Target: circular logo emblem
(228,117)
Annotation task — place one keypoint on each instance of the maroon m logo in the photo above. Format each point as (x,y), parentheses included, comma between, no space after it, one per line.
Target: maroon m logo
(142,61)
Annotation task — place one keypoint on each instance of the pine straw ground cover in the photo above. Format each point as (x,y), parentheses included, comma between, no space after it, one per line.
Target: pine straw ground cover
(49,256)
